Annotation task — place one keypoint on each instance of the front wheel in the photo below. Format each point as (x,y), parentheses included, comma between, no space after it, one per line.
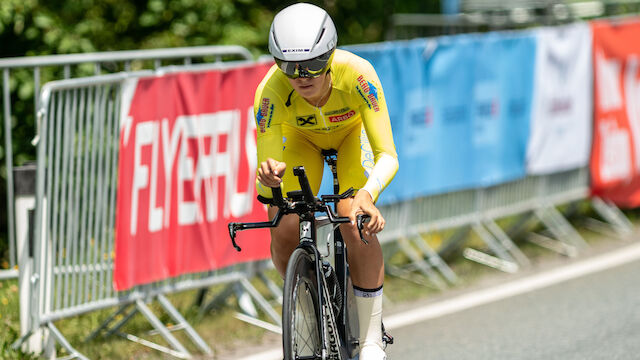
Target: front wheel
(300,309)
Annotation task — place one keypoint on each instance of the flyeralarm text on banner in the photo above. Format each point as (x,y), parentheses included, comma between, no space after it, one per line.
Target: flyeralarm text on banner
(186,168)
(615,156)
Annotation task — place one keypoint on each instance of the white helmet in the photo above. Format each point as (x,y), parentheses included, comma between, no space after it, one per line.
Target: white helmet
(302,40)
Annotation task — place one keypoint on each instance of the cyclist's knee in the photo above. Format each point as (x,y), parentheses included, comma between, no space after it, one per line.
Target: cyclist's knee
(284,240)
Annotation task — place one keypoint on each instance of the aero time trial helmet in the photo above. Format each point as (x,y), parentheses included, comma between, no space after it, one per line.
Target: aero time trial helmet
(302,40)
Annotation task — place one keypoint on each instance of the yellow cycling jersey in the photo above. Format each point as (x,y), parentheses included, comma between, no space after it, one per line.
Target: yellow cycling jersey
(354,120)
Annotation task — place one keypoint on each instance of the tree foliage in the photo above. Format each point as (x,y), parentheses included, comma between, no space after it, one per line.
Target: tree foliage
(32,27)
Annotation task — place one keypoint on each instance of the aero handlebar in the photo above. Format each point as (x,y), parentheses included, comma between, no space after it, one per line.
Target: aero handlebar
(301,202)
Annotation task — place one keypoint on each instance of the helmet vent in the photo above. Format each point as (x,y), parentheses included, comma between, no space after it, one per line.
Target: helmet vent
(275,40)
(320,37)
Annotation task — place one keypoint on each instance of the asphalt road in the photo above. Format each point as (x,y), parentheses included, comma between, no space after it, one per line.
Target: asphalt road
(595,316)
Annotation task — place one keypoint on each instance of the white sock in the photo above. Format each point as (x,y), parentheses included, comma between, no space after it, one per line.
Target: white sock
(369,304)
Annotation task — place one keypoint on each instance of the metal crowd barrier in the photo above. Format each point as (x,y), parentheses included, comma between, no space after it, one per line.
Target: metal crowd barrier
(68,64)
(533,198)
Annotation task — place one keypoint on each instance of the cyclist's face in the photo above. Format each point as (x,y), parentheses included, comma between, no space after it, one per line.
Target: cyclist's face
(312,89)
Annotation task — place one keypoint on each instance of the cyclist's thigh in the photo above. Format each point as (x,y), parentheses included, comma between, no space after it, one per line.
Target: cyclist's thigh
(300,151)
(355,159)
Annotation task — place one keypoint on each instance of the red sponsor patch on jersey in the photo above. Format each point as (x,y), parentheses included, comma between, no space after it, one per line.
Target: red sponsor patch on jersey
(342,117)
(264,106)
(262,115)
(363,83)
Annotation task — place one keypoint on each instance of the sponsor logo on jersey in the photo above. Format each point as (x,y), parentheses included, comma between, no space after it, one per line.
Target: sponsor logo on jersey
(369,92)
(342,117)
(308,120)
(339,111)
(263,121)
(366,154)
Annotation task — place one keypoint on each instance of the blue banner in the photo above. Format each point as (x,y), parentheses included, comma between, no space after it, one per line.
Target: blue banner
(459,108)
(450,6)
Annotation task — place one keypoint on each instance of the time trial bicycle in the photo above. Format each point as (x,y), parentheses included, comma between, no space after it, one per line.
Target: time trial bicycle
(319,316)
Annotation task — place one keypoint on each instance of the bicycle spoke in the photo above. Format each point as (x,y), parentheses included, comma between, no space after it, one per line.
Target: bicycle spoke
(306,329)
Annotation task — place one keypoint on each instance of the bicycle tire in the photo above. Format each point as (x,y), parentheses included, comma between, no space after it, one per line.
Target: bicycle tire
(300,309)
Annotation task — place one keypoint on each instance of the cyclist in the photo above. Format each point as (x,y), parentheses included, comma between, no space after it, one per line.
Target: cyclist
(318,97)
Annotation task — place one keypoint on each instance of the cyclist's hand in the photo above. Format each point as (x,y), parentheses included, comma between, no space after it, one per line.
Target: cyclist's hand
(270,172)
(363,203)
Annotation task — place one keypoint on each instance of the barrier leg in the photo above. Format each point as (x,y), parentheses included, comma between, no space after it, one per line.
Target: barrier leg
(259,323)
(523,228)
(567,228)
(419,263)
(178,350)
(559,227)
(74,354)
(612,214)
(566,239)
(245,303)
(435,259)
(31,340)
(506,242)
(164,332)
(454,242)
(219,299)
(554,245)
(49,346)
(262,302)
(502,260)
(105,324)
(522,225)
(121,323)
(155,346)
(181,321)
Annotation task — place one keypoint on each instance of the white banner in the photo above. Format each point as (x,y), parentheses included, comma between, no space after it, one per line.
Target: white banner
(561,122)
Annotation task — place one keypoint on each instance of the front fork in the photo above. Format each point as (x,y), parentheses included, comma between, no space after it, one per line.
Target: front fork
(329,336)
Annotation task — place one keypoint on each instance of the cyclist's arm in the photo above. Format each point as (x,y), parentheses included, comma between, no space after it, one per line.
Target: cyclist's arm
(375,118)
(269,113)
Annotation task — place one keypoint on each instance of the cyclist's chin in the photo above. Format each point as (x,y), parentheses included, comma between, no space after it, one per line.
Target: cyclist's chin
(307,90)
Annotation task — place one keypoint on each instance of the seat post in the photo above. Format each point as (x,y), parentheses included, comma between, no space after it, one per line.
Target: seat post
(331,158)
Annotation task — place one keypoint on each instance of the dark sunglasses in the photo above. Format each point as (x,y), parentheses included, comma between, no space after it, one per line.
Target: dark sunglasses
(308,68)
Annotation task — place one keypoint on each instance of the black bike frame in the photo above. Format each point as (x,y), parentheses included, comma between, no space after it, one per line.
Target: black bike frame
(339,252)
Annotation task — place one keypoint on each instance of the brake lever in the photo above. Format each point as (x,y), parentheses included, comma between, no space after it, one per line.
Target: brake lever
(360,220)
(233,228)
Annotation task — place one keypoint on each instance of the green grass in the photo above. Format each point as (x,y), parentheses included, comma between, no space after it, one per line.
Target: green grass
(10,320)
(219,329)
(223,332)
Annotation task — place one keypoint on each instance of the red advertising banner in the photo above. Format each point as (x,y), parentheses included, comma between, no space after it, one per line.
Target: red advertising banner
(615,156)
(186,168)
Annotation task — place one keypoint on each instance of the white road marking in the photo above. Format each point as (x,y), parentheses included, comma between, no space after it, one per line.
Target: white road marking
(598,263)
